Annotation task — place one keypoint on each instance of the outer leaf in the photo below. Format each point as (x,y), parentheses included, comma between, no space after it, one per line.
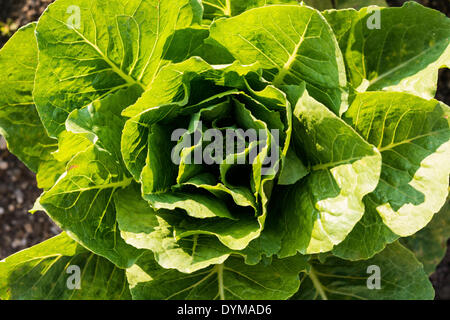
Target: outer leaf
(183,243)
(320,210)
(81,202)
(368,237)
(232,280)
(228,8)
(112,46)
(292,44)
(405,54)
(69,144)
(41,272)
(100,122)
(320,4)
(402,278)
(145,228)
(357,4)
(430,244)
(19,120)
(413,136)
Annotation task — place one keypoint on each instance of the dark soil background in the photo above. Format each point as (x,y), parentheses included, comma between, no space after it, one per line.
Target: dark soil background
(18,191)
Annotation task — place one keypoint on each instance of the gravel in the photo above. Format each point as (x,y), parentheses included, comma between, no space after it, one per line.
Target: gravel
(18,228)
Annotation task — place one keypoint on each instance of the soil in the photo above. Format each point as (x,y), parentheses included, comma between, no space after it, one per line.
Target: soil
(18,190)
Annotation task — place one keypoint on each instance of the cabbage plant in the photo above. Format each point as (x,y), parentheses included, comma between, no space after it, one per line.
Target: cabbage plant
(123,110)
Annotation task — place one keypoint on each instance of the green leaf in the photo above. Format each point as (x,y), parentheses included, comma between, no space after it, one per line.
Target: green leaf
(181,242)
(69,144)
(215,9)
(294,170)
(100,47)
(292,44)
(232,280)
(240,195)
(19,120)
(196,205)
(101,122)
(401,278)
(369,237)
(81,203)
(404,54)
(227,8)
(43,272)
(292,167)
(89,171)
(192,248)
(170,90)
(358,4)
(349,174)
(413,136)
(143,227)
(342,22)
(320,210)
(181,94)
(319,4)
(430,244)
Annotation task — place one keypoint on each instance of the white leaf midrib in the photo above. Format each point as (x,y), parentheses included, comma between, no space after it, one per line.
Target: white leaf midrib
(279,78)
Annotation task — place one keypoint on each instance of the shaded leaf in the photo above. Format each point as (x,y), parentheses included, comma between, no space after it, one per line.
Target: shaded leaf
(232,280)
(413,136)
(401,278)
(44,272)
(404,54)
(430,244)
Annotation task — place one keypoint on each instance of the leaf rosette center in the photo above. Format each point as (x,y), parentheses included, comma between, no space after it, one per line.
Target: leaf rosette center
(205,144)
